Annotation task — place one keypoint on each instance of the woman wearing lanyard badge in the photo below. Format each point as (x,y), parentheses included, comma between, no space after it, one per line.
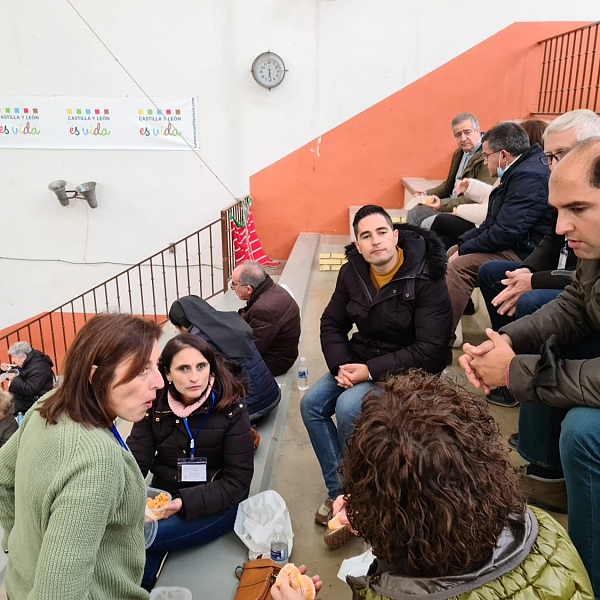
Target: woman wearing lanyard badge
(197,442)
(71,496)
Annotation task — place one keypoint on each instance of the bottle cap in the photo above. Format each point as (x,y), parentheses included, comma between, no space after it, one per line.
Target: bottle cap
(302,359)
(278,528)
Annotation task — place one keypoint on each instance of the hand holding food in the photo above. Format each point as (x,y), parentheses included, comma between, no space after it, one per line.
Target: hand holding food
(297,581)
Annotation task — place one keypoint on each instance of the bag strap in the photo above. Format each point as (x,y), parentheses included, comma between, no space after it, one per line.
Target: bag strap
(257,563)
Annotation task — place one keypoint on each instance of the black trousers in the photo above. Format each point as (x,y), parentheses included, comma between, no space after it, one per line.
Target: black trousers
(450,227)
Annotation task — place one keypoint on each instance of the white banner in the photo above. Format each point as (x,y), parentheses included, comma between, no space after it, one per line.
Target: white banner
(102,123)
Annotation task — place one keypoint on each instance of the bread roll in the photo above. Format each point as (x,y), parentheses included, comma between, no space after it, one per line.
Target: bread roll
(298,582)
(334,524)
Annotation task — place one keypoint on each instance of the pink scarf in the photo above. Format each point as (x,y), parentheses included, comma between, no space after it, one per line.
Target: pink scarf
(182,410)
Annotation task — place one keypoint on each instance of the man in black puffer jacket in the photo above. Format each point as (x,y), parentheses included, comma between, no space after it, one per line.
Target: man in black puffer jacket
(393,290)
(518,215)
(34,379)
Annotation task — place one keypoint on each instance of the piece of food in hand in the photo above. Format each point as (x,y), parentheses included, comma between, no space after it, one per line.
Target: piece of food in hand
(335,523)
(159,501)
(300,583)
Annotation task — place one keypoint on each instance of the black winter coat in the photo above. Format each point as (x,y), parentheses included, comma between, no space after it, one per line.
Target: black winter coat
(518,215)
(35,379)
(158,440)
(406,324)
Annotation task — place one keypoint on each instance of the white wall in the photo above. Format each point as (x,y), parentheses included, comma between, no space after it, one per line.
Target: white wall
(342,56)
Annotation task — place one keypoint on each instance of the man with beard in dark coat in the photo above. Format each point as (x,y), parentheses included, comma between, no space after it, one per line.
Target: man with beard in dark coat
(393,290)
(34,379)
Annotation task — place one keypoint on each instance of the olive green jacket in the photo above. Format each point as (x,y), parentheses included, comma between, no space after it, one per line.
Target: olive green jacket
(474,169)
(537,374)
(534,560)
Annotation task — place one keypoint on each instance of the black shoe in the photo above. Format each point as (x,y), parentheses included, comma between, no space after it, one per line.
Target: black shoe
(502,397)
(513,440)
(470,308)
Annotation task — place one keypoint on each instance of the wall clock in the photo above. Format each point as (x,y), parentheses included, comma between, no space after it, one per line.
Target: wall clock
(268,70)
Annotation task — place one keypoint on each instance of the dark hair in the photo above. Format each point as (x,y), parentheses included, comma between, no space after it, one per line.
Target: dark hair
(228,389)
(427,482)
(105,341)
(507,136)
(534,128)
(367,211)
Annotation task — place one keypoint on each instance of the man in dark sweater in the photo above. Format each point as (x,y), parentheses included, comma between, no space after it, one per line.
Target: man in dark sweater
(35,376)
(271,312)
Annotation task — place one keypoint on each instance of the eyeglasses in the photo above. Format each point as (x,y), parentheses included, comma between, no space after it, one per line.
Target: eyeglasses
(549,157)
(233,285)
(486,156)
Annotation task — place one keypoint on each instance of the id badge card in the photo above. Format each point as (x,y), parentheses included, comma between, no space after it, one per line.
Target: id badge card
(191,469)
(562,259)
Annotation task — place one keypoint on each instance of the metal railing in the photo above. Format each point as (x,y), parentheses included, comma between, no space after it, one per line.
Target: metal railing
(570,72)
(197,264)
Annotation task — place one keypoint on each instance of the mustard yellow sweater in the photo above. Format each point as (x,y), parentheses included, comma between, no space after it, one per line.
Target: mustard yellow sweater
(72,509)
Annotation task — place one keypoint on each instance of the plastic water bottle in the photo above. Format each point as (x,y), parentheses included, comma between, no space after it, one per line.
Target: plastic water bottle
(302,375)
(20,418)
(279,546)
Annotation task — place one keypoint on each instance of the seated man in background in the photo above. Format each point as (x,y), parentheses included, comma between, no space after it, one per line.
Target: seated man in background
(271,312)
(518,215)
(467,161)
(512,290)
(393,290)
(551,359)
(35,376)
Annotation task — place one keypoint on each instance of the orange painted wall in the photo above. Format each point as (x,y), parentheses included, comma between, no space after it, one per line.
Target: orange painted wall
(406,135)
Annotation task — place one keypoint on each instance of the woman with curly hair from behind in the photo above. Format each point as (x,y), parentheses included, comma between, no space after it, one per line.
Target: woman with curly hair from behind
(427,483)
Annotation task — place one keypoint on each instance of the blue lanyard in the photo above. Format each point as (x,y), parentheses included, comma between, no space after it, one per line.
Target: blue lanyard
(187,427)
(118,437)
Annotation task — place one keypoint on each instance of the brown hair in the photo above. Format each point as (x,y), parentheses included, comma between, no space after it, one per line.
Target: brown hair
(227,388)
(7,404)
(105,341)
(535,130)
(427,482)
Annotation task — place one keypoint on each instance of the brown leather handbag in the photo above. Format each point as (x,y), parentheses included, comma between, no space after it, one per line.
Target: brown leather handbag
(256,578)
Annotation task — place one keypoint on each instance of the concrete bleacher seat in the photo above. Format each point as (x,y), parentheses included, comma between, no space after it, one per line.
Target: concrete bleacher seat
(412,185)
(209,571)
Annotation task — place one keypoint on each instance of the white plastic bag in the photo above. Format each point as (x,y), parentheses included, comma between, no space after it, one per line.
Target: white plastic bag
(256,519)
(357,566)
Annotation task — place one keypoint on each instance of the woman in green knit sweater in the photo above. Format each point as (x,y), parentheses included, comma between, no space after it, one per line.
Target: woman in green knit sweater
(72,497)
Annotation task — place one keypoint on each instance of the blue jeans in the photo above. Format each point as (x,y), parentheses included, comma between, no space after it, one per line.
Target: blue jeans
(176,533)
(569,440)
(489,276)
(323,400)
(580,453)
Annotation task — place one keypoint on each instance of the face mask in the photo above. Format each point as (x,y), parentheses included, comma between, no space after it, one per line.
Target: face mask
(500,170)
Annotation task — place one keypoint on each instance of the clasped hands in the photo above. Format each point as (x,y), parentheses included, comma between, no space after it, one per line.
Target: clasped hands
(485,365)
(351,374)
(517,282)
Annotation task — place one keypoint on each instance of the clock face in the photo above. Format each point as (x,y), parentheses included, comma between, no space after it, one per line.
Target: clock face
(268,70)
